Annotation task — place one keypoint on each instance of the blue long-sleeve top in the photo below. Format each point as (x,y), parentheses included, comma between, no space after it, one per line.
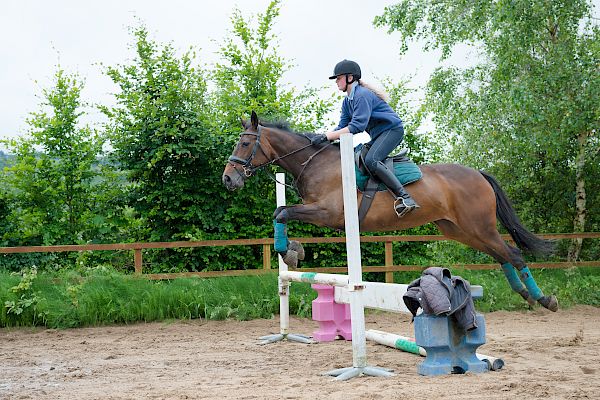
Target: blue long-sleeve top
(362,111)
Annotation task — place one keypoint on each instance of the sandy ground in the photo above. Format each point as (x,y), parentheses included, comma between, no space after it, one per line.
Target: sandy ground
(547,355)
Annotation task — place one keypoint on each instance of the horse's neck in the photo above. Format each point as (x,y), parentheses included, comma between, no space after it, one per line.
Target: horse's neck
(283,143)
(306,163)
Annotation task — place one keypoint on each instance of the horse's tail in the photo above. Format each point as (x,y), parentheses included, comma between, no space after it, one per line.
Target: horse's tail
(509,219)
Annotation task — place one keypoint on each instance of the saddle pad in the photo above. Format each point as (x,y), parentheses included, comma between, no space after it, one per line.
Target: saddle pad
(406,171)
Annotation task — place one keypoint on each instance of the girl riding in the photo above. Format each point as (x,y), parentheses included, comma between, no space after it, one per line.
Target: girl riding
(365,109)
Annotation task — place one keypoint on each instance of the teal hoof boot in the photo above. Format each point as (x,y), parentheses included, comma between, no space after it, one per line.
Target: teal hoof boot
(530,300)
(549,302)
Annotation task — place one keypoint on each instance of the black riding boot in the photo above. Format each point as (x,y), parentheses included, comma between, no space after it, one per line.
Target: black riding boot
(404,203)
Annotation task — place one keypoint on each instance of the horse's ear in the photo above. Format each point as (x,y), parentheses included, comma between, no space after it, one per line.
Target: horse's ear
(244,123)
(254,120)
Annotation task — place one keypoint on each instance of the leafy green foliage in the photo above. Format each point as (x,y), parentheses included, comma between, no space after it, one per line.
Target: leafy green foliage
(520,114)
(162,138)
(159,136)
(23,307)
(52,184)
(528,111)
(249,78)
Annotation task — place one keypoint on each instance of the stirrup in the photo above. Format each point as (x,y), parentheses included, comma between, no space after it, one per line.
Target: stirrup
(402,208)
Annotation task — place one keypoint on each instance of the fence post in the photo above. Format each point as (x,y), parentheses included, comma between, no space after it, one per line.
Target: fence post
(389,261)
(137,261)
(266,256)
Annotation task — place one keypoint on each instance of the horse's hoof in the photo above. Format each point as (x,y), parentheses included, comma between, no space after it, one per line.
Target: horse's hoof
(297,247)
(550,302)
(291,258)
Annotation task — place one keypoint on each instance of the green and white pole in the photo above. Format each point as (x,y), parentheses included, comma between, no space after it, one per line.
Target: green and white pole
(407,344)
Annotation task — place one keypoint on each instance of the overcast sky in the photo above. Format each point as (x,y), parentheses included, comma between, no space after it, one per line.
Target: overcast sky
(37,35)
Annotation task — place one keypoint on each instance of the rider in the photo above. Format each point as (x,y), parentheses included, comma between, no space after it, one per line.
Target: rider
(364,109)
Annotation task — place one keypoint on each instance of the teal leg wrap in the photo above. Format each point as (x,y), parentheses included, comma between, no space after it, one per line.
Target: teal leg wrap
(513,279)
(530,284)
(281,238)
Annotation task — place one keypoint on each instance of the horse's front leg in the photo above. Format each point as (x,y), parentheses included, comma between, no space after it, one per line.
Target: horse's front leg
(313,213)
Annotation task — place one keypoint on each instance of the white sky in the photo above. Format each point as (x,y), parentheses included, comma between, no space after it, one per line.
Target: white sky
(37,35)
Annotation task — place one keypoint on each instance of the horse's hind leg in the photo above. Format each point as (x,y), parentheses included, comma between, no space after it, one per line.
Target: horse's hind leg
(490,242)
(516,261)
(512,277)
(502,256)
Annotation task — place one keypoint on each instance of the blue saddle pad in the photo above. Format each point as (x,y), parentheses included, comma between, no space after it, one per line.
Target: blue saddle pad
(406,171)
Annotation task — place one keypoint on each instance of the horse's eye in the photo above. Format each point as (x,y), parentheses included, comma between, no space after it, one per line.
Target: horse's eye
(245,144)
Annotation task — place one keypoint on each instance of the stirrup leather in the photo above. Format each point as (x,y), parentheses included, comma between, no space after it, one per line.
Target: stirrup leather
(402,208)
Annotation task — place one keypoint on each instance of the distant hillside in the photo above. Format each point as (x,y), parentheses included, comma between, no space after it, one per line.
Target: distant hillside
(5,160)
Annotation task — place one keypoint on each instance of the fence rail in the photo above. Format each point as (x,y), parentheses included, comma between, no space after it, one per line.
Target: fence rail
(389,268)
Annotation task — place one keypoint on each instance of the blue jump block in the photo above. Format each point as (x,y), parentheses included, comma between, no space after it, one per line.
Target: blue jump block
(450,350)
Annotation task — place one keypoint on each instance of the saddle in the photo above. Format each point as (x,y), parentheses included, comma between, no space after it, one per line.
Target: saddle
(372,185)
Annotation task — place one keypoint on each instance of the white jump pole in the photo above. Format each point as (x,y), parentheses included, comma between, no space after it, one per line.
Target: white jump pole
(355,283)
(313,277)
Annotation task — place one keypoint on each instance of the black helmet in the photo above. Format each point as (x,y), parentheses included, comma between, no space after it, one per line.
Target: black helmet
(346,67)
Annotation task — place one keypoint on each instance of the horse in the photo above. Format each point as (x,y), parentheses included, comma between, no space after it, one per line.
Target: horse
(464,203)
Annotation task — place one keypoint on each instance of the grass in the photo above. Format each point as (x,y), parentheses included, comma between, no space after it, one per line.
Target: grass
(572,286)
(102,296)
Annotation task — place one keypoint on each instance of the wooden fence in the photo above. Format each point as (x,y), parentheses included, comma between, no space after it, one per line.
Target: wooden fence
(389,268)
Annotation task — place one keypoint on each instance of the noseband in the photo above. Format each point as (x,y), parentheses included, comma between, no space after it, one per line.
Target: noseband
(246,164)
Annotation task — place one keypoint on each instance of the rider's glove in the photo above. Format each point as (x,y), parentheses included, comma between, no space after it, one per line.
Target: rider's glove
(318,138)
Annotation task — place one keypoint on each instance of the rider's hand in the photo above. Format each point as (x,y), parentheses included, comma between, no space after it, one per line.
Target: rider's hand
(318,138)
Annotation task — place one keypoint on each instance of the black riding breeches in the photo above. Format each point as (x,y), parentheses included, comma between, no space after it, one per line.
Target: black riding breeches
(382,146)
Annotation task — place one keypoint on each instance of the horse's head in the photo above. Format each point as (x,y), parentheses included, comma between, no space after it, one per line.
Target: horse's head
(247,156)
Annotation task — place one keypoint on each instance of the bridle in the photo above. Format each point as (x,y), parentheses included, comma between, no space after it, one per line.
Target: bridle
(249,169)
(246,164)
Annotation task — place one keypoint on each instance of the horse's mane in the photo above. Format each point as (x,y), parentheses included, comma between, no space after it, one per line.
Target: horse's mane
(282,125)
(279,124)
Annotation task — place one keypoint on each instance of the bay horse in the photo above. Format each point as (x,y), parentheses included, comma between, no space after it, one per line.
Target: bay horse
(464,203)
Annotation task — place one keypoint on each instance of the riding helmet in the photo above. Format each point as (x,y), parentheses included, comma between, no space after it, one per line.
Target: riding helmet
(346,67)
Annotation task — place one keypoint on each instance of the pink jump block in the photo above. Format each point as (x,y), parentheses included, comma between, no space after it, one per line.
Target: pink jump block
(333,318)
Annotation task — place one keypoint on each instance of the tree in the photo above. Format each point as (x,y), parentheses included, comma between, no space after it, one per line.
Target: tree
(529,110)
(160,136)
(51,180)
(250,77)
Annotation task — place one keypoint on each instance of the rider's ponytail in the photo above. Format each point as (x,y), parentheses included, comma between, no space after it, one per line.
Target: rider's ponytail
(378,92)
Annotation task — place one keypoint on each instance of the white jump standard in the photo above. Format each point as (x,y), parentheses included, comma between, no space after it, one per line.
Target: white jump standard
(352,282)
(284,287)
